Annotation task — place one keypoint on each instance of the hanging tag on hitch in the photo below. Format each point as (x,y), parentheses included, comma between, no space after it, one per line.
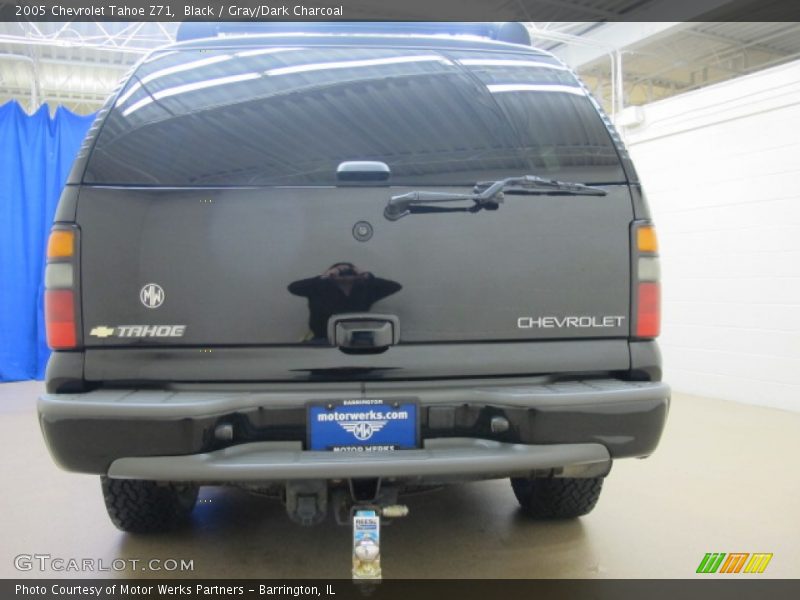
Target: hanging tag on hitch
(366,545)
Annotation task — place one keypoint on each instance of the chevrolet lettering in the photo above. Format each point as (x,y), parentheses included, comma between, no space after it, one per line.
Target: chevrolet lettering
(572,321)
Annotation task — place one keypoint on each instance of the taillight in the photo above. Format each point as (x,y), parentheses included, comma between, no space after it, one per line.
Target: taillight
(646,240)
(648,316)
(647,286)
(59,314)
(60,288)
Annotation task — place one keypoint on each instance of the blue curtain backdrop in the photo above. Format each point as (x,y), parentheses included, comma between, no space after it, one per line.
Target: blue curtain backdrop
(36,153)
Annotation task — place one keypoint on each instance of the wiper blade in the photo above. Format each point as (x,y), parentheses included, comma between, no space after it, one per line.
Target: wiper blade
(486,195)
(538,185)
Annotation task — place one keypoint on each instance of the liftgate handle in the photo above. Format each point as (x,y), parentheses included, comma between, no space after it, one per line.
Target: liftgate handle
(363,331)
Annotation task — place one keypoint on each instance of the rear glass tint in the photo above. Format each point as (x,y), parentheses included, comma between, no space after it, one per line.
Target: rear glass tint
(289,116)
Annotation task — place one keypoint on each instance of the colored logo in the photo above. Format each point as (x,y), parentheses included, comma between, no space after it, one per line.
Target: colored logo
(102,331)
(152,295)
(734,562)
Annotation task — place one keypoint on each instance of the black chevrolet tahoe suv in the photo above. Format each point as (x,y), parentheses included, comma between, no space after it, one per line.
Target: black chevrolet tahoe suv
(339,262)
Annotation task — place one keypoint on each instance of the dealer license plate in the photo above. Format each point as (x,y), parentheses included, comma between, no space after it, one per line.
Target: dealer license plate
(363,425)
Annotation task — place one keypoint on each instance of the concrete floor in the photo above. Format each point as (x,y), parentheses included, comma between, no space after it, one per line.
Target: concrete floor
(725,479)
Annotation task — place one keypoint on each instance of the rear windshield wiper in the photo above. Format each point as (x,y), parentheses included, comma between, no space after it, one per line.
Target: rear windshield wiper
(486,195)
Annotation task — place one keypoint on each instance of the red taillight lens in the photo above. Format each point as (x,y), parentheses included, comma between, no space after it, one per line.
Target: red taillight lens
(648,316)
(59,316)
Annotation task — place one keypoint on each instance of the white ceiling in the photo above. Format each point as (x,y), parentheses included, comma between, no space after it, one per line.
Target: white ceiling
(74,64)
(662,59)
(78,64)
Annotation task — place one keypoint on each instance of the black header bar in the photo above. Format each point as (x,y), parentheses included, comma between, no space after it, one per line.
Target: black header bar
(710,588)
(399,10)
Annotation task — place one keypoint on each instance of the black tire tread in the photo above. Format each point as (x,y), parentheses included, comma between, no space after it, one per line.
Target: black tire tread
(557,498)
(138,506)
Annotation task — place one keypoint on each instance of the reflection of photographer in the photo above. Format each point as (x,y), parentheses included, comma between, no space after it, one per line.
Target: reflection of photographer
(341,288)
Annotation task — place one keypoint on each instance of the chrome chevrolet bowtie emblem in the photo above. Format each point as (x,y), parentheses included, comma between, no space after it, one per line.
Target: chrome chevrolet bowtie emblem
(102,331)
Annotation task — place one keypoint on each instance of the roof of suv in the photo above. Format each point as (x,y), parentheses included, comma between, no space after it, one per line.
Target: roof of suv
(360,39)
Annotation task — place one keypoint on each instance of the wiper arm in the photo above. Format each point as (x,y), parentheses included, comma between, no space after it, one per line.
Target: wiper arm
(487,195)
(400,206)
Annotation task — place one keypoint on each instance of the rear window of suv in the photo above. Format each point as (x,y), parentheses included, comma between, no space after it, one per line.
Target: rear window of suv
(289,115)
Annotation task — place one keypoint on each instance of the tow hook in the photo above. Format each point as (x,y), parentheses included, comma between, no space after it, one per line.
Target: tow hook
(367,505)
(364,504)
(367,538)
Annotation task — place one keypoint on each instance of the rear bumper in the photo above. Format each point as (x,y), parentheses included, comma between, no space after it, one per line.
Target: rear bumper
(170,434)
(452,458)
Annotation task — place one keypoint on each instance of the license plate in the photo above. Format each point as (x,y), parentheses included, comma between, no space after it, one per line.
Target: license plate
(363,425)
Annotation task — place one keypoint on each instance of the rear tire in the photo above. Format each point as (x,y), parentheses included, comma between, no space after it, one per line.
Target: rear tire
(138,506)
(557,498)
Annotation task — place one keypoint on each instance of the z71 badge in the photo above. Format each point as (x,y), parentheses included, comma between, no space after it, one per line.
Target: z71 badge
(138,331)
